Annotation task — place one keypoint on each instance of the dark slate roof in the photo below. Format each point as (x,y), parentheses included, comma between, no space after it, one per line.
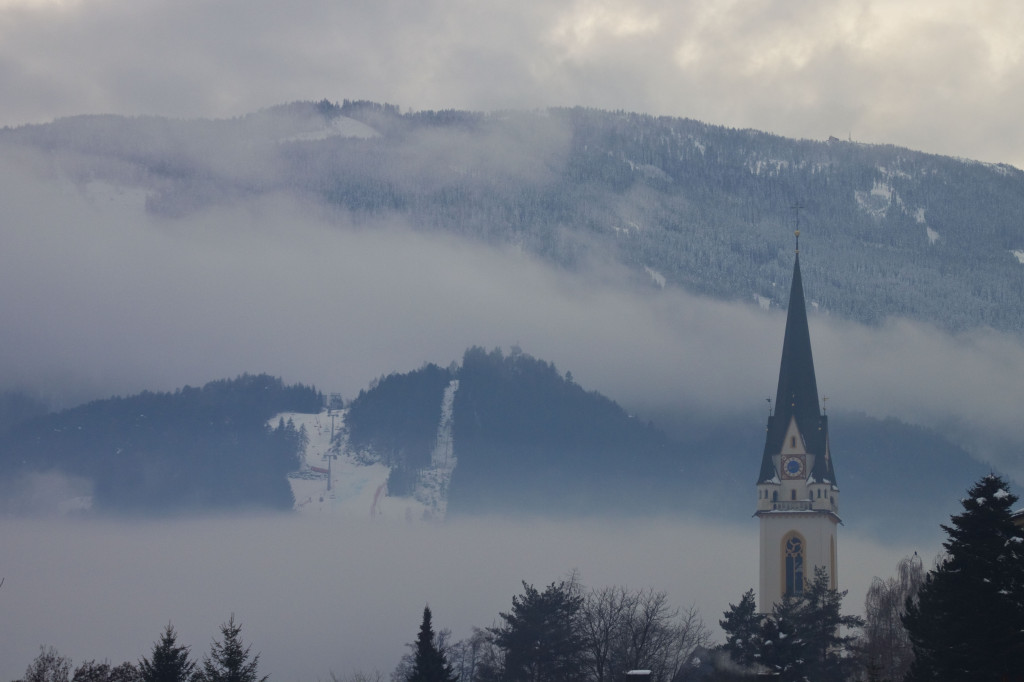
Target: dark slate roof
(797,394)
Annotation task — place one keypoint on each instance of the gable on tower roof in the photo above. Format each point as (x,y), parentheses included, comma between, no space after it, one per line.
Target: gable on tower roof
(796,398)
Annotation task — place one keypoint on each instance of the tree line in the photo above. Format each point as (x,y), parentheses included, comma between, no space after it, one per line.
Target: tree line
(159,452)
(228,660)
(525,435)
(962,620)
(568,633)
(564,632)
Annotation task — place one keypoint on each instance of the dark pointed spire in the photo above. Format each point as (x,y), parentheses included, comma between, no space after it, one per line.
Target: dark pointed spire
(798,388)
(797,393)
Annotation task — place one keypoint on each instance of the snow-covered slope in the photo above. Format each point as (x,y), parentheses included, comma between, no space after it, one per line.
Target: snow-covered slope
(432,486)
(332,480)
(341,126)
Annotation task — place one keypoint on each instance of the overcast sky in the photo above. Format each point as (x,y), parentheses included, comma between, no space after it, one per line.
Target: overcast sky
(102,297)
(942,76)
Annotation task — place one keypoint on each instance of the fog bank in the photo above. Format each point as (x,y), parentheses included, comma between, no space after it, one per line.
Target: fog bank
(105,298)
(315,596)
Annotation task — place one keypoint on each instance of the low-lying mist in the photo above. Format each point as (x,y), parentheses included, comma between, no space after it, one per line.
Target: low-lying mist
(316,596)
(105,298)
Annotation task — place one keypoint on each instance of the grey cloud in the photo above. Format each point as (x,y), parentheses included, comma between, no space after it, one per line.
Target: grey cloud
(940,77)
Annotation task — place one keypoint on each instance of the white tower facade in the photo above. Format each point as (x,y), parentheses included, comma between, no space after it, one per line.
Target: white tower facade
(797,495)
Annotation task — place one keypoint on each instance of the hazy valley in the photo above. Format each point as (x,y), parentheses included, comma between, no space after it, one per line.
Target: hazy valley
(618,281)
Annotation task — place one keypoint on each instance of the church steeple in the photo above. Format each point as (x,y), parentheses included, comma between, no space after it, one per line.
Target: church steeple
(797,499)
(796,397)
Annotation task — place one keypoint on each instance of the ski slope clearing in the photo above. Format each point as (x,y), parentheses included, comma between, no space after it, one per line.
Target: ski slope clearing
(331,481)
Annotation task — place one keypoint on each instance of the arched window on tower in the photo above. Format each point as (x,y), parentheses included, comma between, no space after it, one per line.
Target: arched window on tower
(793,551)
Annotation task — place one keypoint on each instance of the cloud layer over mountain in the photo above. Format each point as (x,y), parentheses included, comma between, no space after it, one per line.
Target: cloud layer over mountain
(934,75)
(106,298)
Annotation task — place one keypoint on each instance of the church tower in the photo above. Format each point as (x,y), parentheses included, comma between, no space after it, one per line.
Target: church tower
(797,496)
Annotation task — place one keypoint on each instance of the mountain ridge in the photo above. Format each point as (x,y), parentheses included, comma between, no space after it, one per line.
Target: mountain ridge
(624,202)
(531,442)
(152,453)
(675,201)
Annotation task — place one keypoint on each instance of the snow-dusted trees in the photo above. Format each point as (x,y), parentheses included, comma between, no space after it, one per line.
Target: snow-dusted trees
(968,621)
(825,630)
(804,637)
(742,627)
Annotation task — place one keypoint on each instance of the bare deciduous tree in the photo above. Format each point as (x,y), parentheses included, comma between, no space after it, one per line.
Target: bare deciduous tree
(48,666)
(627,630)
(691,636)
(604,614)
(468,655)
(886,644)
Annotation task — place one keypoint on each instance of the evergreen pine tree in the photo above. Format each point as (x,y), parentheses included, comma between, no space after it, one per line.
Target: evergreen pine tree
(228,660)
(968,620)
(821,628)
(802,638)
(169,662)
(742,626)
(782,651)
(541,638)
(429,663)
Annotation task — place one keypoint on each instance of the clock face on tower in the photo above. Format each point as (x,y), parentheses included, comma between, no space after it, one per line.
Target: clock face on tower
(792,467)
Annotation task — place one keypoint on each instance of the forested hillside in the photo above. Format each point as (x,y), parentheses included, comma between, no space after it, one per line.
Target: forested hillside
(396,420)
(645,202)
(195,448)
(530,439)
(526,437)
(678,202)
